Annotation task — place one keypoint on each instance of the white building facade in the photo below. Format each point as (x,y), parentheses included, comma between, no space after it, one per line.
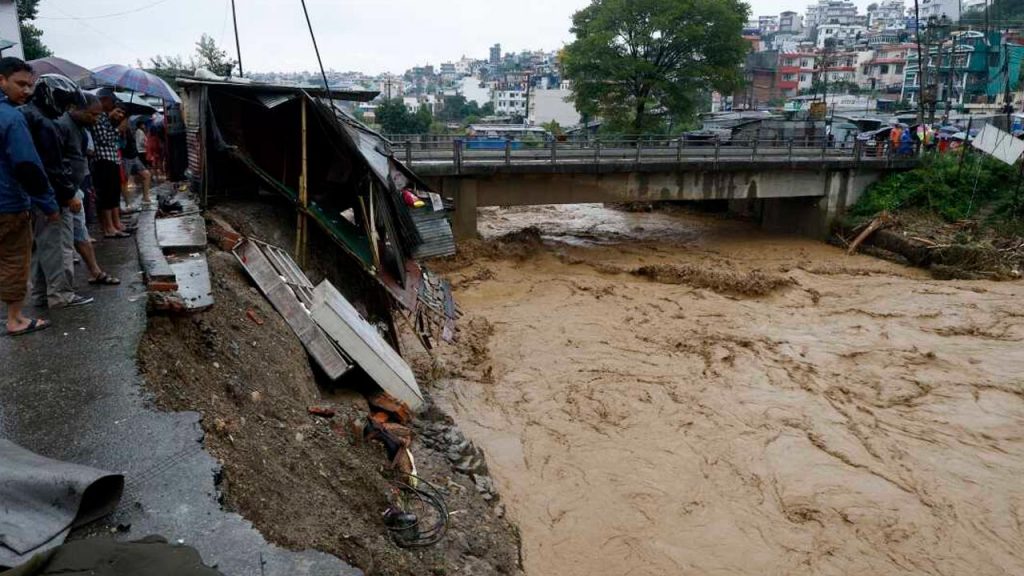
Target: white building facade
(10,30)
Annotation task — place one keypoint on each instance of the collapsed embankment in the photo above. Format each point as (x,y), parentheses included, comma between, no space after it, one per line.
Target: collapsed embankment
(960,217)
(855,416)
(306,481)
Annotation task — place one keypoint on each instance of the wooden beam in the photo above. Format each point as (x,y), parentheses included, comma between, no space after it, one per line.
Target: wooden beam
(302,228)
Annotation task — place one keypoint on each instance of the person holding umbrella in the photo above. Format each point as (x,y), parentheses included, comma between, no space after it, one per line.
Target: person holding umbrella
(106,168)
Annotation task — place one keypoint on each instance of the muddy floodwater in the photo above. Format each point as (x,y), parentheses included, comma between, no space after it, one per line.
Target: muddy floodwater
(858,418)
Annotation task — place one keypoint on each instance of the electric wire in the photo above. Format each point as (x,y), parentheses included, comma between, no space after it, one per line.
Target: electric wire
(102,16)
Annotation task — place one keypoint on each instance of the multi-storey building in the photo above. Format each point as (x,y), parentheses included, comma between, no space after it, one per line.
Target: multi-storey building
(842,12)
(887,15)
(768,24)
(844,35)
(791,23)
(938,8)
(883,69)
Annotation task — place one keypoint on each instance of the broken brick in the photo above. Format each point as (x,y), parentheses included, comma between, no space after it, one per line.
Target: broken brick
(162,286)
(391,405)
(324,411)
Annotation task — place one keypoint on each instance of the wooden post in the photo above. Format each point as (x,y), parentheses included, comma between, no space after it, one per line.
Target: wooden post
(302,230)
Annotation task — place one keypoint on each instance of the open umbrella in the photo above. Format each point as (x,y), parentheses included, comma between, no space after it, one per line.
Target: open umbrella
(135,80)
(53,65)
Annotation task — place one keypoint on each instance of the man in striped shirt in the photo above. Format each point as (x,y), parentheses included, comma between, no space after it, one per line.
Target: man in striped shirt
(106,168)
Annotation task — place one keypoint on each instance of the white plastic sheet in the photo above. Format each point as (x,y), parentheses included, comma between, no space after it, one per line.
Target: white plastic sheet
(1000,145)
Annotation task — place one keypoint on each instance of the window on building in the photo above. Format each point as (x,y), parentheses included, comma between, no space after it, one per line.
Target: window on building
(805,77)
(884,69)
(899,69)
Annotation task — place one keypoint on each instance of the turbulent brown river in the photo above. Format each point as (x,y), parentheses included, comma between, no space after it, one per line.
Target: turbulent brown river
(858,418)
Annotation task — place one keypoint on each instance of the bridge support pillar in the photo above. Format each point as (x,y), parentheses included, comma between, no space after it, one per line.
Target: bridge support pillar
(464,191)
(814,216)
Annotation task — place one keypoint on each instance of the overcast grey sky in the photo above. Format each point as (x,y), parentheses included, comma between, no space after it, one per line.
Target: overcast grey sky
(366,35)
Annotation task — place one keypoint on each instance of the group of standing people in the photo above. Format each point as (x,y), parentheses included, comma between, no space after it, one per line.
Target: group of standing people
(61,150)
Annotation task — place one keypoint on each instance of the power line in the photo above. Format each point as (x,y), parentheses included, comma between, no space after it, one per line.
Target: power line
(99,17)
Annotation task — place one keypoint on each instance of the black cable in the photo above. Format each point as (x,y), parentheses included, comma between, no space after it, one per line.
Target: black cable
(327,87)
(430,496)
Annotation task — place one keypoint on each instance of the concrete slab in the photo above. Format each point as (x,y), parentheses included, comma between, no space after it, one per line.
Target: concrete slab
(181,233)
(74,393)
(193,277)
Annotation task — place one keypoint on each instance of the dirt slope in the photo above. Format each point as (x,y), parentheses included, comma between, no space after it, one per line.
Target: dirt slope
(301,479)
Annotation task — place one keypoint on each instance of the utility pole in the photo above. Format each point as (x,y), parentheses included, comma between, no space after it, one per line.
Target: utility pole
(238,43)
(921,64)
(526,113)
(1007,97)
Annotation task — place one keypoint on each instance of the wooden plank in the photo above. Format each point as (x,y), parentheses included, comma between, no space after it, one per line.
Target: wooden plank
(193,274)
(181,234)
(285,302)
(364,345)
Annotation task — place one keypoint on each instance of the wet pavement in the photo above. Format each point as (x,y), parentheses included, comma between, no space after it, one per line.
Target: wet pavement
(74,393)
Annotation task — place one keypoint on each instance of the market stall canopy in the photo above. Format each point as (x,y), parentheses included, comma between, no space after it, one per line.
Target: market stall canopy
(54,65)
(135,80)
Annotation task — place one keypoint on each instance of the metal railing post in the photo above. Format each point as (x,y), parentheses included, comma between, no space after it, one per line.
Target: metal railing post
(597,151)
(408,153)
(753,153)
(508,152)
(457,154)
(718,148)
(858,151)
(554,150)
(639,147)
(790,150)
(679,149)
(824,147)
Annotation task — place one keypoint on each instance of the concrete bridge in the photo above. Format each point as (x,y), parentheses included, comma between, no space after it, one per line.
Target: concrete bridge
(797,186)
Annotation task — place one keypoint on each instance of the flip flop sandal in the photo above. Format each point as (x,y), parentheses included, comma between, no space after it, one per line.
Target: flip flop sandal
(104,279)
(33,326)
(117,236)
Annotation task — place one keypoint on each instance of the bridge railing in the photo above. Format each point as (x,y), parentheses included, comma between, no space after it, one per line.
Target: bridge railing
(459,151)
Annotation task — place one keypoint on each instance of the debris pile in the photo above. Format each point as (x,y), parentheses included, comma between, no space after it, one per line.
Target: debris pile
(357,467)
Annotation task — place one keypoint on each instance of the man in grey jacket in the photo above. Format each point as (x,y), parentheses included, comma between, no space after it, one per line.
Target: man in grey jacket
(72,126)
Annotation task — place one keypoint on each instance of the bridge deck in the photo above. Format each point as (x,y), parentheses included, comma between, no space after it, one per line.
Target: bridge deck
(445,156)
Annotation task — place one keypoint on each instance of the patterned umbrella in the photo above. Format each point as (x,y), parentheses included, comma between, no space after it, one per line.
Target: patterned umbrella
(134,79)
(53,65)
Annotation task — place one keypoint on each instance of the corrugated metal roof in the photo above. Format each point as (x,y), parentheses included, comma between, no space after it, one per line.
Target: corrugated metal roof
(436,232)
(274,100)
(258,87)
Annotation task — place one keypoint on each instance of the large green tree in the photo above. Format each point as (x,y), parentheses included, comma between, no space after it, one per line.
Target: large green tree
(31,37)
(395,118)
(213,58)
(642,65)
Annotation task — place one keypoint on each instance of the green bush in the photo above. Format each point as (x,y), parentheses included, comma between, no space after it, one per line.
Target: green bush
(941,185)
